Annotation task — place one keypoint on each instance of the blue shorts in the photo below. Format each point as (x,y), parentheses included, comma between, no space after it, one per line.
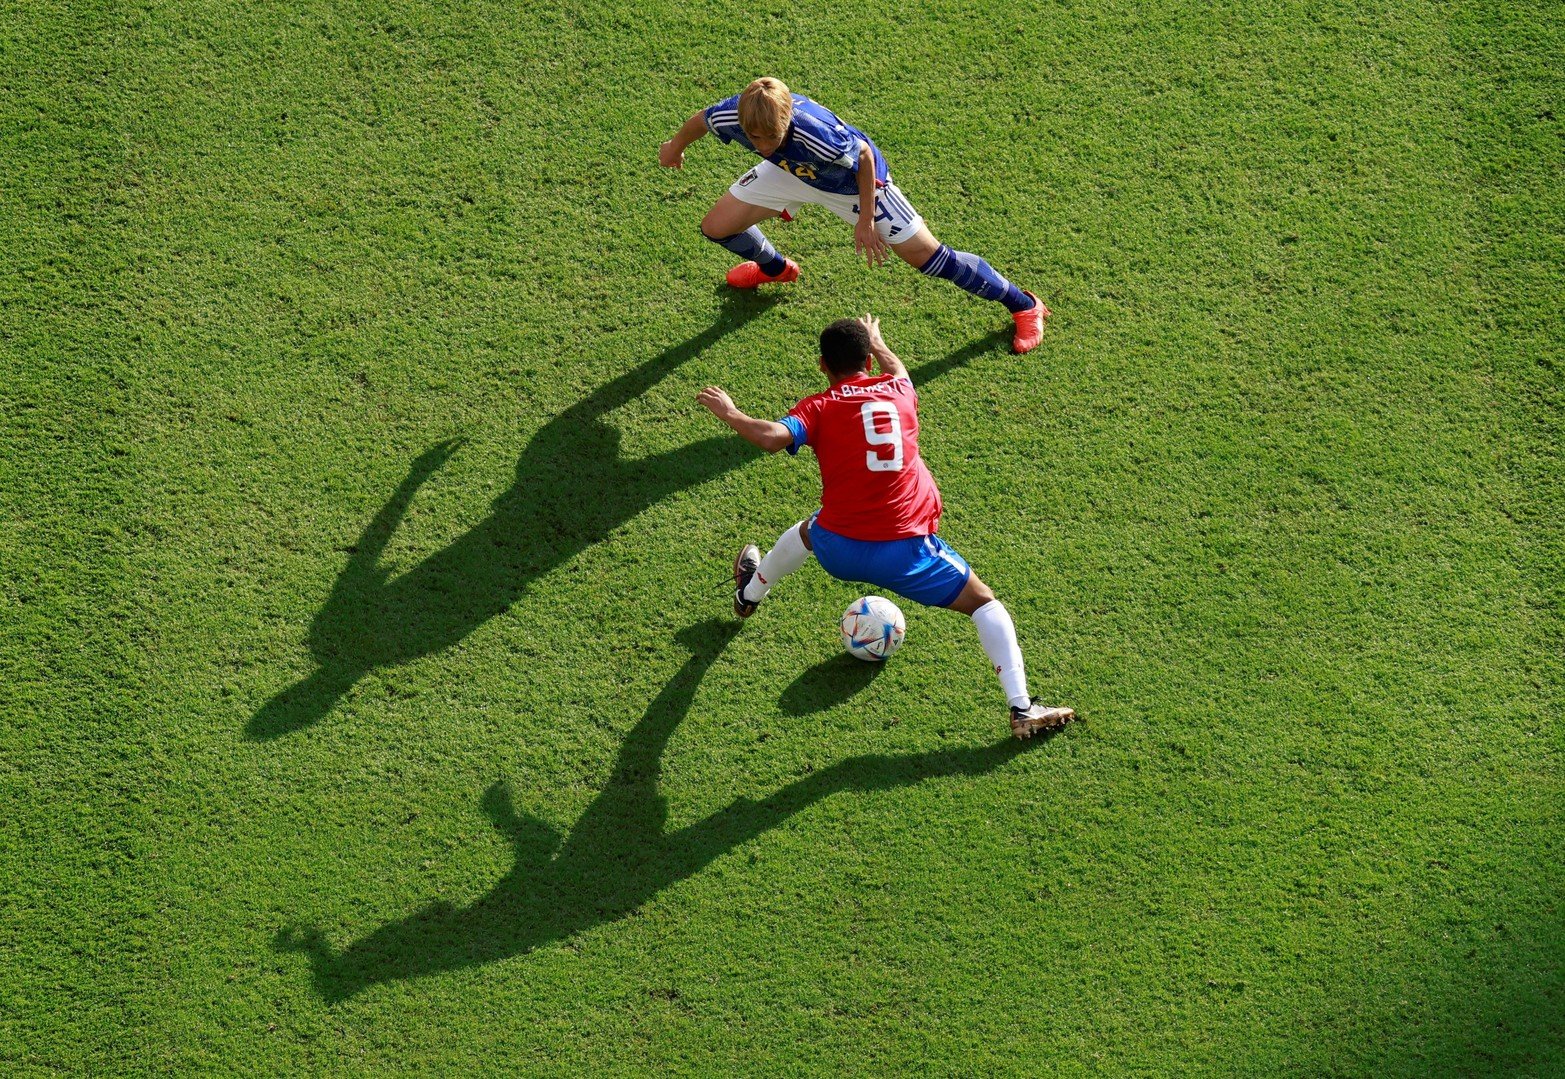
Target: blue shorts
(922,568)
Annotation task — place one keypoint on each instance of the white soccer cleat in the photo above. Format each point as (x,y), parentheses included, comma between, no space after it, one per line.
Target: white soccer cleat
(1026,722)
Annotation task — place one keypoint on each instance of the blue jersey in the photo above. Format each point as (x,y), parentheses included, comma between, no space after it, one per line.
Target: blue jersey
(819,149)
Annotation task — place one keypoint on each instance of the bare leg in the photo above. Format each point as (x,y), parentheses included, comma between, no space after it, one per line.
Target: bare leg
(731,225)
(729,216)
(974,595)
(918,248)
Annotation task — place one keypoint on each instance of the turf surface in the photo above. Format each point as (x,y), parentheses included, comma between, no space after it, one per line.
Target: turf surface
(368,699)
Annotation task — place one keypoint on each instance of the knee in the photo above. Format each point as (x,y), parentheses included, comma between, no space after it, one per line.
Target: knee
(916,255)
(982,593)
(713,231)
(804,534)
(918,249)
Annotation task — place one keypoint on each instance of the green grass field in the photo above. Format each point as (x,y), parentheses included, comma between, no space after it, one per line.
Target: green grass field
(369,697)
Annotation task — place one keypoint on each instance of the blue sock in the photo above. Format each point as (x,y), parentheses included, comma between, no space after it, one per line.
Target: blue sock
(751,244)
(976,276)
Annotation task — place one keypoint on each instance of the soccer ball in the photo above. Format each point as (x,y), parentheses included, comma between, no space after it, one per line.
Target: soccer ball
(872,628)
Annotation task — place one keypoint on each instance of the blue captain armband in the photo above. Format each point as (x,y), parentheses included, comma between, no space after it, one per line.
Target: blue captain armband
(796,429)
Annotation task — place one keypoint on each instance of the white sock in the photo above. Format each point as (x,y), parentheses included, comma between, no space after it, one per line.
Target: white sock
(997,633)
(788,555)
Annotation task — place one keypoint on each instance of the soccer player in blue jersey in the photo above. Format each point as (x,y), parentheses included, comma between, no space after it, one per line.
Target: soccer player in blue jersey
(810,156)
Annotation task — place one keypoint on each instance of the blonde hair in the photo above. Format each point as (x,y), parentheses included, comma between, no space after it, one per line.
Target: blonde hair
(765,108)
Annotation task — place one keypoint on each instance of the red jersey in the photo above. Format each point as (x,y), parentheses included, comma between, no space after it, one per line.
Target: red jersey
(864,432)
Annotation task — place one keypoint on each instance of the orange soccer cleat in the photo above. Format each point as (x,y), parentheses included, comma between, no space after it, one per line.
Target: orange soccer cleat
(1029,326)
(749,275)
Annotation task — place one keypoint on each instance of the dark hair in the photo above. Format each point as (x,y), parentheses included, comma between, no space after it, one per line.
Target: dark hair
(845,347)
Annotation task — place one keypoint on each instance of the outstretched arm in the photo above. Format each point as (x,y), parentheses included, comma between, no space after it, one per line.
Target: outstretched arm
(767,434)
(366,553)
(884,357)
(671,155)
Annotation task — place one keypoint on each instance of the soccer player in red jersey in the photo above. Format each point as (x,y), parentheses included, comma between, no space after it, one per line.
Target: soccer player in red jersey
(879,504)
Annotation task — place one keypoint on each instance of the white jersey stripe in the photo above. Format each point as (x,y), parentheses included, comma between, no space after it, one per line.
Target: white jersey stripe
(820,141)
(812,141)
(816,146)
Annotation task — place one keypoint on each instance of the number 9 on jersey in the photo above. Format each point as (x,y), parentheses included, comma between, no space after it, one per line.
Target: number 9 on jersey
(882,427)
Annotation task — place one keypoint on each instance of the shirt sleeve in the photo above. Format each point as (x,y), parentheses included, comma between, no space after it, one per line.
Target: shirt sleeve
(722,119)
(801,434)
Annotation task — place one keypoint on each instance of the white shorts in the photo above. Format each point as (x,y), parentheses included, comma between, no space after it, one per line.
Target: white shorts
(774,188)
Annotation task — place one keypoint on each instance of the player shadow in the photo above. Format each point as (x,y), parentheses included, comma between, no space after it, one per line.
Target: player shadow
(572,490)
(616,858)
(827,684)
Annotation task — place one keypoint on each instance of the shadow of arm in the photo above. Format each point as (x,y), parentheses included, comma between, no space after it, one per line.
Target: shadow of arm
(930,370)
(372,541)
